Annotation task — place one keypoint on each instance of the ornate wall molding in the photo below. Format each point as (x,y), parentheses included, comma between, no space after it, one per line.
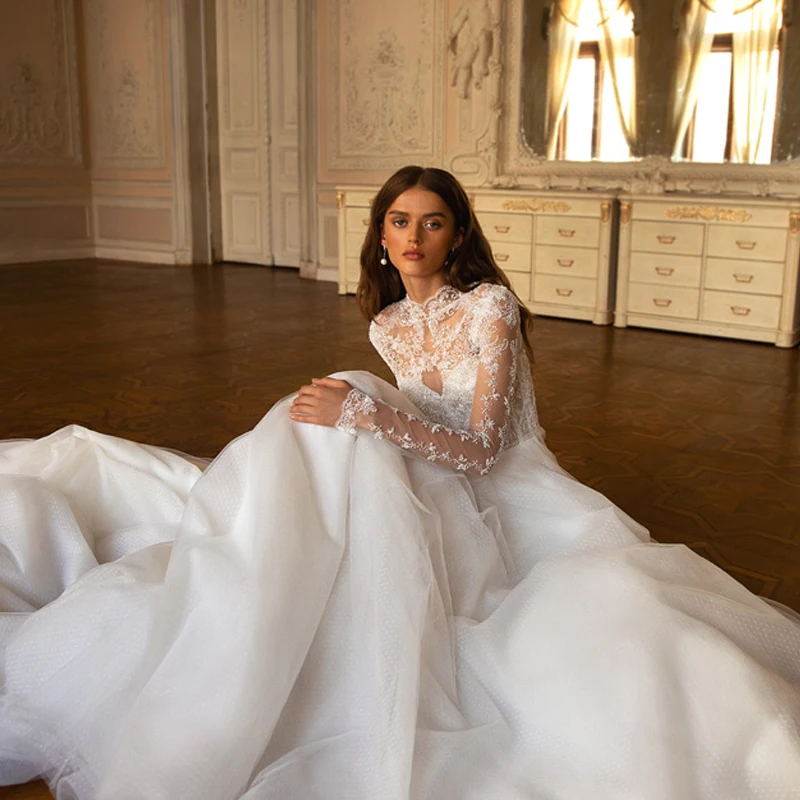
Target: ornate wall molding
(383,84)
(39,87)
(125,46)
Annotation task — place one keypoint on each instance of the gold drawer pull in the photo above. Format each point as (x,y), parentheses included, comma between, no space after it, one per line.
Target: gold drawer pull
(661,302)
(666,239)
(565,262)
(365,222)
(563,292)
(501,257)
(665,271)
(564,233)
(745,245)
(502,228)
(742,278)
(740,311)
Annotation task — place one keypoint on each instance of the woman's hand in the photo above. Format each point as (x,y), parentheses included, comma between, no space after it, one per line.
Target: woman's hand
(321,402)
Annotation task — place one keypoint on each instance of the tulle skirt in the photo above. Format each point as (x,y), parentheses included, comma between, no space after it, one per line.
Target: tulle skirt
(314,615)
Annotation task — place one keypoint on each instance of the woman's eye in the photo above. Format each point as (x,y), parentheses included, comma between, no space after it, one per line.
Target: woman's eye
(434,225)
(399,223)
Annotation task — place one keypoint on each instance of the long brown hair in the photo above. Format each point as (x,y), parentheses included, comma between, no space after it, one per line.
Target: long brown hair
(471,265)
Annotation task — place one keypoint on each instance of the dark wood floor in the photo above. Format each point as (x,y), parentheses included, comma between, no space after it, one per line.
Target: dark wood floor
(697,438)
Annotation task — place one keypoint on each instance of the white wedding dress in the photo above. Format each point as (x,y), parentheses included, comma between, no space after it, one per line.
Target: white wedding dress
(432,609)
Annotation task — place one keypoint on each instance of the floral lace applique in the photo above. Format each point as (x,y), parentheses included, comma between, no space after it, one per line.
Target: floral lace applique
(471,341)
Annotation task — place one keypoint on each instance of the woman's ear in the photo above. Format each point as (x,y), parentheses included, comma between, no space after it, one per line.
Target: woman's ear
(458,239)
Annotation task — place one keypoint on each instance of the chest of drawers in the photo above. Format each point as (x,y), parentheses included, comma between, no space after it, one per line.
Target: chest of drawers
(557,248)
(702,265)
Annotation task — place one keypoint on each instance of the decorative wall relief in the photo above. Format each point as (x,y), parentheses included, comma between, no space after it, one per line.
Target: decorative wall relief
(470,40)
(384,89)
(39,97)
(126,74)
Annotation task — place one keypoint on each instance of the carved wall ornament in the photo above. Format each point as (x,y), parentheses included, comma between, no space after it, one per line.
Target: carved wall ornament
(470,40)
(624,213)
(31,125)
(39,100)
(605,212)
(794,221)
(537,206)
(708,213)
(340,200)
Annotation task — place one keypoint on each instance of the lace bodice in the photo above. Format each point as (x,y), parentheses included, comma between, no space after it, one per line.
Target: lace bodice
(459,357)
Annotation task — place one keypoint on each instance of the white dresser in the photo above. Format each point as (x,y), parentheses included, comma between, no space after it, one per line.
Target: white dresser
(705,265)
(555,247)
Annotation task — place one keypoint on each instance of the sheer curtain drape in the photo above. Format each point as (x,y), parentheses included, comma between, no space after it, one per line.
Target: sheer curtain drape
(608,21)
(754,47)
(618,55)
(564,42)
(694,44)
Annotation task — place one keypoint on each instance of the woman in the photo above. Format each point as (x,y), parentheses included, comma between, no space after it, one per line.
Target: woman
(316,616)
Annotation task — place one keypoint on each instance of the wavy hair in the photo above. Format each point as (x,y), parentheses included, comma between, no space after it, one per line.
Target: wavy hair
(472,264)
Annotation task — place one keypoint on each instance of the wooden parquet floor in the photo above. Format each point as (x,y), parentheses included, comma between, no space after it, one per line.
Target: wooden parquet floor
(697,438)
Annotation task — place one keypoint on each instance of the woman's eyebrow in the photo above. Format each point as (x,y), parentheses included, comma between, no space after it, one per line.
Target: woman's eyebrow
(405,214)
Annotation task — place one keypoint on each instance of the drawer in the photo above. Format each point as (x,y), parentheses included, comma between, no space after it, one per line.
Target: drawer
(666,269)
(753,310)
(565,291)
(570,231)
(521,283)
(759,244)
(512,257)
(507,227)
(579,262)
(357,220)
(663,301)
(744,276)
(680,238)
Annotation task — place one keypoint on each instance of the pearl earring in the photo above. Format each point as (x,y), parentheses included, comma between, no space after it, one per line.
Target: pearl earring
(384,259)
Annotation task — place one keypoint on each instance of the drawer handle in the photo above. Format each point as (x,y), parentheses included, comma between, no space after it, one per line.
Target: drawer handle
(565,262)
(665,271)
(365,222)
(563,292)
(745,245)
(565,233)
(740,311)
(502,257)
(666,239)
(662,302)
(502,228)
(742,278)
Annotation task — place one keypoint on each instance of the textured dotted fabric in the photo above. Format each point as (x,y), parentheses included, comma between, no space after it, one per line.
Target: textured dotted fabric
(320,616)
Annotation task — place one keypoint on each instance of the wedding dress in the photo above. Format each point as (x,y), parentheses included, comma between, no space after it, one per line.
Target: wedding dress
(420,604)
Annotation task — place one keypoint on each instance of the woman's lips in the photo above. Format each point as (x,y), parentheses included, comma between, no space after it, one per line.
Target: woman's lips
(412,255)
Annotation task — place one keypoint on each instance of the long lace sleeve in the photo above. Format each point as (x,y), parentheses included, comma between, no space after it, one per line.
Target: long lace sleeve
(475,450)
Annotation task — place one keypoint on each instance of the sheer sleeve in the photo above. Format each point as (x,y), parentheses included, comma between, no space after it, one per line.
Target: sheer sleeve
(475,450)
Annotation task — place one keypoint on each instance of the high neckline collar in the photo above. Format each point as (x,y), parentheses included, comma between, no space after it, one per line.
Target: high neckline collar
(444,292)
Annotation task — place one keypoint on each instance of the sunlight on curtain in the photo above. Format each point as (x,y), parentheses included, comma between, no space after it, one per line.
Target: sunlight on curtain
(563,44)
(694,45)
(609,24)
(755,61)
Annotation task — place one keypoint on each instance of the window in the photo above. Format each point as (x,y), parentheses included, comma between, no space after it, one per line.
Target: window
(737,86)
(597,105)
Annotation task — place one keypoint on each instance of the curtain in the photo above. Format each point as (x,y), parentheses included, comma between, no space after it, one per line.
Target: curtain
(617,44)
(694,44)
(564,42)
(754,48)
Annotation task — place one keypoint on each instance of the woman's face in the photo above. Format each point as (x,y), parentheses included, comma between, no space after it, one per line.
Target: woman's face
(419,232)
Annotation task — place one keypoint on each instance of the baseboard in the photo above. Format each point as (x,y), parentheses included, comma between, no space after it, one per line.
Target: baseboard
(33,253)
(328,274)
(136,255)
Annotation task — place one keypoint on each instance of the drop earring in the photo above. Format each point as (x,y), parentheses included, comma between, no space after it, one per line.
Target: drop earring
(384,259)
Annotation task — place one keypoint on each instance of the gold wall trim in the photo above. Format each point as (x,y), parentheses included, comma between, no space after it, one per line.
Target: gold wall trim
(340,200)
(708,213)
(605,212)
(553,206)
(624,213)
(794,221)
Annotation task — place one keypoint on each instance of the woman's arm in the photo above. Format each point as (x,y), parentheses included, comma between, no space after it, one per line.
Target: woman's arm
(472,450)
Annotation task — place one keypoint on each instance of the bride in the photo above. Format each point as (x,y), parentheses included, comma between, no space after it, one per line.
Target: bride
(377,593)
